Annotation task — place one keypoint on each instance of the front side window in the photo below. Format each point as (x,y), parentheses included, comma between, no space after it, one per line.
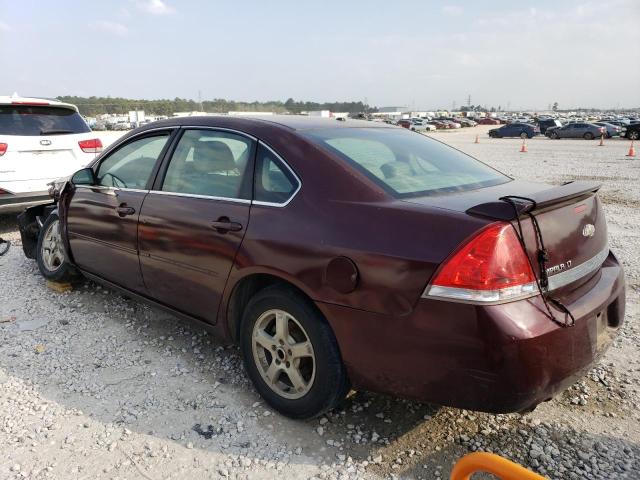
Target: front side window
(406,164)
(130,166)
(210,163)
(274,183)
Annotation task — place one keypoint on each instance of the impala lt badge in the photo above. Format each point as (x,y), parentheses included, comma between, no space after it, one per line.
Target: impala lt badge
(45,142)
(559,268)
(588,230)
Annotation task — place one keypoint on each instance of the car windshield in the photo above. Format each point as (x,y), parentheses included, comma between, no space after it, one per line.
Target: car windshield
(407,164)
(30,120)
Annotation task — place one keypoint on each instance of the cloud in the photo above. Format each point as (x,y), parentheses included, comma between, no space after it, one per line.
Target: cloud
(452,10)
(110,27)
(155,7)
(4,27)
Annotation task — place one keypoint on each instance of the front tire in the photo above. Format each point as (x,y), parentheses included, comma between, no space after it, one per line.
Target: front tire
(588,136)
(554,135)
(524,135)
(50,255)
(633,135)
(291,354)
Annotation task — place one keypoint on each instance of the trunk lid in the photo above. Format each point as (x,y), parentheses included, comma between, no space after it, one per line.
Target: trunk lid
(42,157)
(570,217)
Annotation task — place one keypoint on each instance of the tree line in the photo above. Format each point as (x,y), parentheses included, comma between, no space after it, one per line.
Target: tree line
(92,106)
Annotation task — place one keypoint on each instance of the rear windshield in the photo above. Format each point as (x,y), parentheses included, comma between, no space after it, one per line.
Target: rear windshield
(40,120)
(407,164)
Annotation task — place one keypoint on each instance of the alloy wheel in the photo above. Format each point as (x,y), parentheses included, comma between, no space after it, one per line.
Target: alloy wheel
(52,253)
(283,354)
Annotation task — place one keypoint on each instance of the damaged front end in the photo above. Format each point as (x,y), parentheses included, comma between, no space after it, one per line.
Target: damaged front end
(31,220)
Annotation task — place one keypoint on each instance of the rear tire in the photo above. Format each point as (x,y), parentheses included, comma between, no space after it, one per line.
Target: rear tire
(50,254)
(291,354)
(589,136)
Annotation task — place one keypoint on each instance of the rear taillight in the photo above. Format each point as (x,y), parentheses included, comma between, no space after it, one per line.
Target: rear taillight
(491,267)
(3,148)
(91,146)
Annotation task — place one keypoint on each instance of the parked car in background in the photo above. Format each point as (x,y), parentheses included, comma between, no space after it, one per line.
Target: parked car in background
(544,123)
(40,140)
(439,125)
(465,122)
(588,131)
(489,121)
(217,219)
(632,132)
(522,130)
(415,125)
(610,129)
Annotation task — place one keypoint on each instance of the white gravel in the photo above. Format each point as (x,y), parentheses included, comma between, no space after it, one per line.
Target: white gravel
(93,385)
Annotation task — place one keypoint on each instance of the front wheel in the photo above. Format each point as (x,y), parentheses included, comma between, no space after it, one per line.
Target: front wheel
(554,135)
(633,135)
(588,136)
(291,354)
(50,255)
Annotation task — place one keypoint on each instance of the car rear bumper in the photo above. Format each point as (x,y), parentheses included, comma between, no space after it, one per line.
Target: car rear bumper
(499,358)
(14,202)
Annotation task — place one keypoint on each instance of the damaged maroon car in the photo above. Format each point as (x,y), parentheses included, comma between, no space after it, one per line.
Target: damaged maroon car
(346,255)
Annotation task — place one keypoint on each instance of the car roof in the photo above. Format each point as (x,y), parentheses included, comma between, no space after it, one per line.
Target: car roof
(290,122)
(34,101)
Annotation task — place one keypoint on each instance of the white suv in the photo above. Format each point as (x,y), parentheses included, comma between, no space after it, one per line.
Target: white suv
(40,140)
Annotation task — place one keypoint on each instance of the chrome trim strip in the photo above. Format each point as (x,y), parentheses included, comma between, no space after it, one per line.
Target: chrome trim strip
(224,129)
(568,276)
(114,189)
(492,297)
(284,204)
(207,197)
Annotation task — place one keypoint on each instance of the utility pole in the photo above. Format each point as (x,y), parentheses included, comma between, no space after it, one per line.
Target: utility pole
(469,100)
(200,100)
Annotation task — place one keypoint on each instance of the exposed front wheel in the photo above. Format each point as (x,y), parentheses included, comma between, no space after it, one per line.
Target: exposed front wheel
(291,354)
(554,135)
(50,255)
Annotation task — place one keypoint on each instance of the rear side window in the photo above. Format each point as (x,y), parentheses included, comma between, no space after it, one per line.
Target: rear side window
(274,182)
(406,164)
(210,163)
(130,166)
(30,120)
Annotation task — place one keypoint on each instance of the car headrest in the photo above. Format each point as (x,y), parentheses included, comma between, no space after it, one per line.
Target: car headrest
(396,169)
(213,156)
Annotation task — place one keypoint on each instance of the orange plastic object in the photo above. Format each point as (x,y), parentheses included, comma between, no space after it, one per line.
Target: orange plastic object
(491,463)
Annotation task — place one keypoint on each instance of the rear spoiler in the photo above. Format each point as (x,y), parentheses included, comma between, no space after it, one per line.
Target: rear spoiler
(502,210)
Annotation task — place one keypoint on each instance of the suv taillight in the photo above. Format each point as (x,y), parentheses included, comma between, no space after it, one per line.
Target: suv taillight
(3,148)
(490,267)
(91,146)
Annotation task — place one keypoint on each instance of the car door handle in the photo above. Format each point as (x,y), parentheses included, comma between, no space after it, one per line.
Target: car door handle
(223,225)
(123,210)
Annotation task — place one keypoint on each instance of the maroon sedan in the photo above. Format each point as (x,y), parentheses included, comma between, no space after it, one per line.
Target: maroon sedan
(345,254)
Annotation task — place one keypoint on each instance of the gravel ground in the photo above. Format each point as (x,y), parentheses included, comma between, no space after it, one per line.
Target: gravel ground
(94,385)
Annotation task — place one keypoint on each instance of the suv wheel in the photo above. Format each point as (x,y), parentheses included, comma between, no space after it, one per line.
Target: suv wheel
(588,136)
(291,354)
(554,135)
(50,254)
(633,135)
(524,135)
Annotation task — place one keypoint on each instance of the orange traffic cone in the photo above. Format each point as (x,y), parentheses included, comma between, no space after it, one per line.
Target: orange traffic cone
(632,151)
(523,148)
(477,140)
(601,144)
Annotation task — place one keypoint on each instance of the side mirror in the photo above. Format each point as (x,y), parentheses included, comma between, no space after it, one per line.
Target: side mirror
(86,176)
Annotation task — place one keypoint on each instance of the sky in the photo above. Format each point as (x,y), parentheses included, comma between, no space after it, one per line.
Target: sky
(420,54)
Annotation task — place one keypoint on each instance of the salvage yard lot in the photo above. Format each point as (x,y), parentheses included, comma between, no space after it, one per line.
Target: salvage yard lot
(93,384)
